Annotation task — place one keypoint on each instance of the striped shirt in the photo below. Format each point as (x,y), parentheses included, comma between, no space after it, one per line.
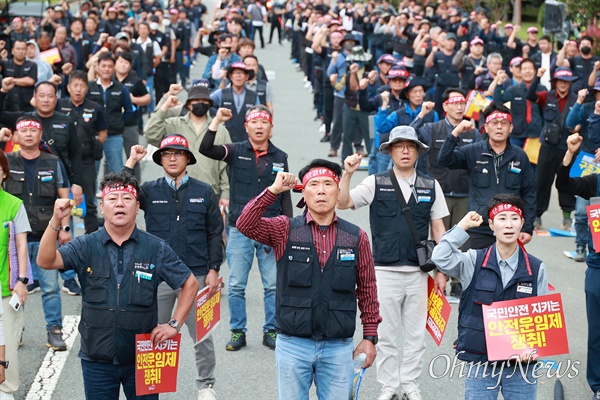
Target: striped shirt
(275,231)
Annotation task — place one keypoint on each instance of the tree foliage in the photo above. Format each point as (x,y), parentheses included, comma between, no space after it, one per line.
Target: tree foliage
(583,11)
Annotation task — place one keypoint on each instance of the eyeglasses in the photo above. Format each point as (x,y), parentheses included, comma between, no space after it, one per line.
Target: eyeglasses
(403,147)
(499,122)
(176,153)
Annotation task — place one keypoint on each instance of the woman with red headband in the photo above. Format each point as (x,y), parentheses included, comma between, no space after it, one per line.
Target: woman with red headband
(503,271)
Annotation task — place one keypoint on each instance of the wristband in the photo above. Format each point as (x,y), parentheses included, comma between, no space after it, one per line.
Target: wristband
(53,228)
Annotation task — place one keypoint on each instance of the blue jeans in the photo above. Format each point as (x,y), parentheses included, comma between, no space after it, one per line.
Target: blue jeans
(511,380)
(300,361)
(582,228)
(48,280)
(150,88)
(102,381)
(240,254)
(113,153)
(378,162)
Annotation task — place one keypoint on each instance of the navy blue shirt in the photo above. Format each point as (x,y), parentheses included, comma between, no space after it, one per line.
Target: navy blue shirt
(170,268)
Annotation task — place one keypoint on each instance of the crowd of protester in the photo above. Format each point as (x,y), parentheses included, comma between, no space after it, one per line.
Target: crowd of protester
(456,105)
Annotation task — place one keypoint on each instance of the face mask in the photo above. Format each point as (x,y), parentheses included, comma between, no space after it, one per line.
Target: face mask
(154,26)
(200,109)
(586,50)
(166,22)
(348,46)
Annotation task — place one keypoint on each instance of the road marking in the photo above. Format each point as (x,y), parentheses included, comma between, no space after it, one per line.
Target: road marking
(46,379)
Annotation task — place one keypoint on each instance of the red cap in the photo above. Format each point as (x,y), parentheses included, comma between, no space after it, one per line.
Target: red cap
(477,41)
(509,26)
(532,29)
(112,9)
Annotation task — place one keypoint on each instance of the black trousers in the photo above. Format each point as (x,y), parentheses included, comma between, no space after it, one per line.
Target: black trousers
(89,187)
(549,161)
(275,25)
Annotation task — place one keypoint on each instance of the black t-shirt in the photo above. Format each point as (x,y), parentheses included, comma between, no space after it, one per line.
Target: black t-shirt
(20,96)
(137,89)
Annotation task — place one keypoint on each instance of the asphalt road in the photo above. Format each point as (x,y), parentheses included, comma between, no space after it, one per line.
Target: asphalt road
(250,373)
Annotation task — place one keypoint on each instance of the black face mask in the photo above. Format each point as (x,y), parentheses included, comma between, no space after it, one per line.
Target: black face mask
(200,109)
(586,50)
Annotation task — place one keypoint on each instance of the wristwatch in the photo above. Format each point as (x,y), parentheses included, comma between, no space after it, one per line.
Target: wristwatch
(24,280)
(4,364)
(372,339)
(66,228)
(214,268)
(173,323)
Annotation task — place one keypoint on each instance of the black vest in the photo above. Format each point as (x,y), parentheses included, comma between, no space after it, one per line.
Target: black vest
(149,61)
(112,313)
(392,241)
(313,301)
(467,74)
(452,181)
(261,91)
(552,115)
(182,225)
(56,135)
(39,204)
(85,120)
(129,82)
(244,181)
(518,111)
(486,288)
(235,125)
(113,106)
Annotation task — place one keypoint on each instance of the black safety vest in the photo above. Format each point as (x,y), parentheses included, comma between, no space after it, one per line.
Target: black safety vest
(261,91)
(149,54)
(244,181)
(312,301)
(451,180)
(235,125)
(112,103)
(129,82)
(85,119)
(181,222)
(552,115)
(39,203)
(393,244)
(112,313)
(486,288)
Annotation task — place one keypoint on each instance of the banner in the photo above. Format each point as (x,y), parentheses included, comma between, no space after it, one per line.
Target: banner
(476,103)
(593,213)
(208,311)
(513,327)
(156,367)
(51,56)
(438,312)
(584,165)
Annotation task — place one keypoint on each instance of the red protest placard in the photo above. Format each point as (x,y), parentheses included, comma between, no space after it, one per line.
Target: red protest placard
(438,312)
(593,212)
(156,367)
(208,311)
(513,327)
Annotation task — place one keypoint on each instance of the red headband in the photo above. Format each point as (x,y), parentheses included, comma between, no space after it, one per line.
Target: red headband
(502,207)
(498,115)
(259,115)
(174,139)
(455,99)
(29,124)
(317,173)
(119,188)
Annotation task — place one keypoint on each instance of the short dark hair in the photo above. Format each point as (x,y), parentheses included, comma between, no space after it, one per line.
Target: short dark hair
(125,56)
(251,56)
(4,165)
(447,92)
(76,20)
(587,37)
(105,57)
(546,38)
(528,60)
(78,75)
(35,89)
(320,163)
(507,198)
(124,179)
(495,107)
(19,41)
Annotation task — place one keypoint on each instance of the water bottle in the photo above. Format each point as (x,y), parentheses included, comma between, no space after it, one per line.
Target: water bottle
(359,361)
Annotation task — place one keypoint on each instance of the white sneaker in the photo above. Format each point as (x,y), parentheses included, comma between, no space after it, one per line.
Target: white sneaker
(6,396)
(307,84)
(387,394)
(207,393)
(414,395)
(322,128)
